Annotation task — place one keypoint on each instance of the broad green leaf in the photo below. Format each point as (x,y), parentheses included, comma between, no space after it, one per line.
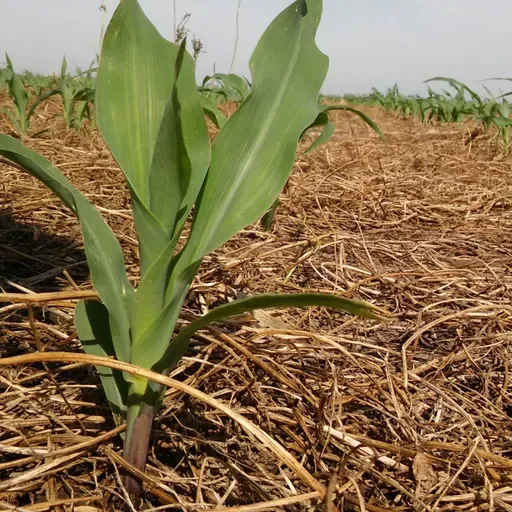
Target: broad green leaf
(210,109)
(254,152)
(135,79)
(179,344)
(149,114)
(92,325)
(102,249)
(322,121)
(234,81)
(182,152)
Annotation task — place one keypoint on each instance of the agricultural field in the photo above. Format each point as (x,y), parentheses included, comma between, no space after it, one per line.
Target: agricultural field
(406,206)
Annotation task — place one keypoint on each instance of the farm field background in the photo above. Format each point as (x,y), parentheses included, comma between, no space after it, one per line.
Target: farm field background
(419,224)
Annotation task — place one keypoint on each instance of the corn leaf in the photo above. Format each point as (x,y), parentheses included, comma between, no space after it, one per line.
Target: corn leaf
(327,131)
(211,111)
(20,97)
(328,127)
(234,81)
(102,249)
(151,118)
(158,333)
(182,151)
(92,325)
(254,152)
(456,85)
(180,343)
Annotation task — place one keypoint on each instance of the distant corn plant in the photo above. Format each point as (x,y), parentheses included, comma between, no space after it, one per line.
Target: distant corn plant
(36,83)
(21,113)
(486,111)
(4,77)
(77,93)
(150,115)
(448,107)
(225,87)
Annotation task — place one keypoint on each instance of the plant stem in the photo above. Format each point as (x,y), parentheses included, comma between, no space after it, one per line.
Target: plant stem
(141,411)
(136,449)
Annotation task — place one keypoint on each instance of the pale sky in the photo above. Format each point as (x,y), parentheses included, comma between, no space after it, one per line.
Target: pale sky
(371,43)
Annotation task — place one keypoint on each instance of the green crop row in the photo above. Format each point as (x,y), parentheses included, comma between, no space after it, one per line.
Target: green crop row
(456,105)
(28,90)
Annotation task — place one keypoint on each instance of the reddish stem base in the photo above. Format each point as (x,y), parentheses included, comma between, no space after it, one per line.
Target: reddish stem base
(136,452)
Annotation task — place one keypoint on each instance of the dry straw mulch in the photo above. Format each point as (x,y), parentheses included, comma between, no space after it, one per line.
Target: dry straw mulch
(409,414)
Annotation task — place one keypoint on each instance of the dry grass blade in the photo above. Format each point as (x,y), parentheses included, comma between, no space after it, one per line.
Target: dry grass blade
(274,504)
(43,298)
(38,472)
(281,453)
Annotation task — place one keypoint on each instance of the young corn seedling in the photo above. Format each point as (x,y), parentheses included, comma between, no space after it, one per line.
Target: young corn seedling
(21,114)
(36,82)
(504,124)
(76,96)
(4,77)
(149,113)
(227,87)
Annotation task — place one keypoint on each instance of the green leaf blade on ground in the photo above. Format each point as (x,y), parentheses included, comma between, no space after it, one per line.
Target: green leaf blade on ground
(180,343)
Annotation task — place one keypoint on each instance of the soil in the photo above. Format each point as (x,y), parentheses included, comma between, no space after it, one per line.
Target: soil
(411,413)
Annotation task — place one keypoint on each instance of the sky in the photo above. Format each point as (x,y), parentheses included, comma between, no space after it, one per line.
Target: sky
(371,43)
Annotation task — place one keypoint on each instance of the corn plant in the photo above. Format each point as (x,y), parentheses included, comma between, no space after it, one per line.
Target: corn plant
(228,87)
(37,83)
(448,107)
(503,123)
(77,95)
(488,112)
(21,113)
(150,116)
(5,74)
